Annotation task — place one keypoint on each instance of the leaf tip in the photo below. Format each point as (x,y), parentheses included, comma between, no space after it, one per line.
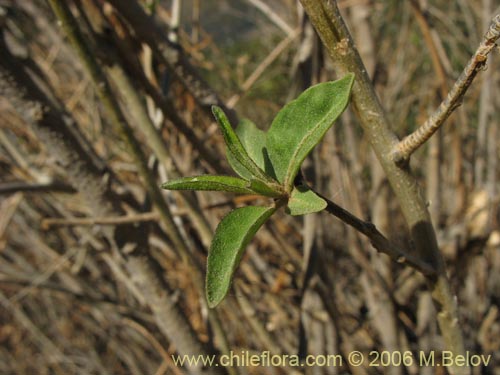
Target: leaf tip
(216,111)
(212,301)
(231,237)
(351,77)
(217,284)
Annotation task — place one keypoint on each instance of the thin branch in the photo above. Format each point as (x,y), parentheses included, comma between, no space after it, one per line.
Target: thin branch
(434,180)
(378,240)
(207,153)
(249,82)
(328,22)
(272,15)
(144,272)
(426,30)
(403,150)
(154,139)
(154,343)
(26,187)
(172,55)
(118,120)
(118,220)
(137,109)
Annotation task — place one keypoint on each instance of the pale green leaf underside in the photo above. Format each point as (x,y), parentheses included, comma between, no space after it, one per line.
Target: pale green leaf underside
(304,201)
(212,183)
(231,237)
(301,125)
(254,141)
(235,148)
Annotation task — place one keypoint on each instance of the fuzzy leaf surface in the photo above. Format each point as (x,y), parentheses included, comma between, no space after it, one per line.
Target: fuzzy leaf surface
(231,237)
(304,201)
(302,123)
(211,183)
(235,147)
(254,141)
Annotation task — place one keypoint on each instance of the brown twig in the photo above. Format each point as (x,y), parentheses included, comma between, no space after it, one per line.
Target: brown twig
(378,240)
(25,187)
(403,150)
(327,20)
(123,40)
(119,220)
(426,30)
(174,57)
(434,180)
(257,73)
(117,118)
(273,16)
(144,272)
(154,343)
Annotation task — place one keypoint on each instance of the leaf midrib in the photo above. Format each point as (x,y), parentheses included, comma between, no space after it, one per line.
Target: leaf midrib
(304,139)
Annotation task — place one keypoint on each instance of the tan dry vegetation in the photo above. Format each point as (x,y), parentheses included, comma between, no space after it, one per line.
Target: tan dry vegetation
(85,291)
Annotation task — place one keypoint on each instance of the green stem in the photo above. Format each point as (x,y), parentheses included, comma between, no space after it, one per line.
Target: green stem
(329,24)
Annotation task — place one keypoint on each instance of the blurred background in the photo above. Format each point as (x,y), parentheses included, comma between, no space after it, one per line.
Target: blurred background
(101,273)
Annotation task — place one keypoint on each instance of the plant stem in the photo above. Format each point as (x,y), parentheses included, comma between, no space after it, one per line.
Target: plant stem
(116,117)
(147,29)
(403,150)
(140,265)
(328,22)
(138,111)
(100,220)
(378,240)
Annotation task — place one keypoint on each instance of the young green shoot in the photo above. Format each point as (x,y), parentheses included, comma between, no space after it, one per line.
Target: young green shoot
(267,164)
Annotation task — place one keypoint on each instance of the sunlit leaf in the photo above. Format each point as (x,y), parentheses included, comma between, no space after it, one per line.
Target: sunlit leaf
(213,183)
(304,201)
(231,237)
(235,147)
(301,125)
(254,141)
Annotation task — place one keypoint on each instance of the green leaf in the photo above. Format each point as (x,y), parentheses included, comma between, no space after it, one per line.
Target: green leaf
(254,141)
(231,237)
(301,125)
(267,190)
(213,183)
(235,147)
(304,201)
